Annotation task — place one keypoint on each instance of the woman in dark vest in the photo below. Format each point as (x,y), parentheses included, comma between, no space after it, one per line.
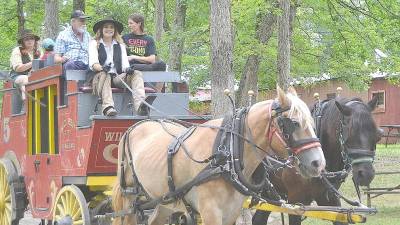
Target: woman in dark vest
(108,59)
(21,60)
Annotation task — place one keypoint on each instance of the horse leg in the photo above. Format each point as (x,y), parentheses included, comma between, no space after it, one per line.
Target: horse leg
(120,202)
(210,215)
(260,217)
(294,220)
(159,216)
(330,200)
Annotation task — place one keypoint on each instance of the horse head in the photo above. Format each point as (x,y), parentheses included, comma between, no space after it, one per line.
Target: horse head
(358,137)
(294,129)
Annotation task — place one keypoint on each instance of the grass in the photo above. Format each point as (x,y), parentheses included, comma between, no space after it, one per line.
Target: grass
(388,206)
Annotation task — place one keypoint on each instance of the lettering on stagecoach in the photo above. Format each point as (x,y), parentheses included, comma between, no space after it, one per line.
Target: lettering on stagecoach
(113,136)
(69,146)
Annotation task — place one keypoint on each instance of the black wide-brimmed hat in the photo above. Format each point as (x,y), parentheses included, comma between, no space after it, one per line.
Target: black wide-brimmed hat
(118,26)
(25,34)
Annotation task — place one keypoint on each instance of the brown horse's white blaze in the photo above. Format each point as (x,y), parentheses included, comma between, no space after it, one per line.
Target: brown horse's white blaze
(217,201)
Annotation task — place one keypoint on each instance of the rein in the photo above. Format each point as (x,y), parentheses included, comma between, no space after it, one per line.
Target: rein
(350,156)
(226,160)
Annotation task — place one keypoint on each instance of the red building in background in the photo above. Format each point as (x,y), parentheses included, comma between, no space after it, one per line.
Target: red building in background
(386,113)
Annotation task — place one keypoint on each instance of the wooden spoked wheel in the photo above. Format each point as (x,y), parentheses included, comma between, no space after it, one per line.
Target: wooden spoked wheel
(70,202)
(12,194)
(5,197)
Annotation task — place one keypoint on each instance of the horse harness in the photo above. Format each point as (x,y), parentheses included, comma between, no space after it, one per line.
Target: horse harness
(350,156)
(226,160)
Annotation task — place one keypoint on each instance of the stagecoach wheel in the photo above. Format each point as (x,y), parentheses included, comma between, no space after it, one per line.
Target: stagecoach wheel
(11,210)
(70,202)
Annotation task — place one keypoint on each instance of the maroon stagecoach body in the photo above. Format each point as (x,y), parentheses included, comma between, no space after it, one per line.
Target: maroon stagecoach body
(45,148)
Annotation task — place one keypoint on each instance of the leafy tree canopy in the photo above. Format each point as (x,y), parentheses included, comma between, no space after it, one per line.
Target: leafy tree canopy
(336,37)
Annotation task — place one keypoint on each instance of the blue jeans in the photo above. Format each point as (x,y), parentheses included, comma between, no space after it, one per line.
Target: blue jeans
(69,65)
(74,65)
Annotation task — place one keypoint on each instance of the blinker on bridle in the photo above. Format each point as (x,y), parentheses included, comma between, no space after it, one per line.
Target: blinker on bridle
(352,156)
(286,129)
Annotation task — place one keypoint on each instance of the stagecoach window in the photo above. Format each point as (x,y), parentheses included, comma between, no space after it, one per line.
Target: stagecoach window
(331,95)
(380,107)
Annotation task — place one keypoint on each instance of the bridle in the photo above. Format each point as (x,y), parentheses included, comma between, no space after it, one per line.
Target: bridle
(351,156)
(283,128)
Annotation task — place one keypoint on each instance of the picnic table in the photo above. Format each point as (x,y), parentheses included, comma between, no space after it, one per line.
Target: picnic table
(389,132)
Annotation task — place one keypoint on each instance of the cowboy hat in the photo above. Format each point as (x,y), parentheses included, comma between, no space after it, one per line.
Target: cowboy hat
(118,26)
(25,34)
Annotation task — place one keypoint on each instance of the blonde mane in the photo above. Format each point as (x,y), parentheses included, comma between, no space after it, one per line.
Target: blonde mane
(299,111)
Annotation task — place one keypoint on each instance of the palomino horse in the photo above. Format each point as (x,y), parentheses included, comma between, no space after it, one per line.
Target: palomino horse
(348,136)
(215,199)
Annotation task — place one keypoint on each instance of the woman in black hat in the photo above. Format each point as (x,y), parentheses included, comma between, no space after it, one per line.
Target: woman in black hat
(108,58)
(21,59)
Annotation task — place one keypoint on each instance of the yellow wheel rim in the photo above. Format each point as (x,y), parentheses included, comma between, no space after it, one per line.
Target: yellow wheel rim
(71,202)
(5,198)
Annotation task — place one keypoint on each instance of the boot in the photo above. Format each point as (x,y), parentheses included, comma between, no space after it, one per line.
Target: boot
(110,111)
(143,109)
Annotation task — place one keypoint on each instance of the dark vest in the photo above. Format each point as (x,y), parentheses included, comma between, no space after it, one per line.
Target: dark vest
(25,59)
(117,58)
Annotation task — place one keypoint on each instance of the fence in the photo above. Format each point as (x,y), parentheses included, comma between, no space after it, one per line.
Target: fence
(387,176)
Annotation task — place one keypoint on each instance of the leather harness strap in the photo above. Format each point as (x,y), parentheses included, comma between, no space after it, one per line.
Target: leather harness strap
(172,149)
(285,137)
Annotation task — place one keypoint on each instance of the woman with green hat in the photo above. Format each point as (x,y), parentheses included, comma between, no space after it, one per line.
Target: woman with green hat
(108,59)
(21,60)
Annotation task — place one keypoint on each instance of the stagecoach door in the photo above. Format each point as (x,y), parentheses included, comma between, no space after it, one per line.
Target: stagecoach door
(42,148)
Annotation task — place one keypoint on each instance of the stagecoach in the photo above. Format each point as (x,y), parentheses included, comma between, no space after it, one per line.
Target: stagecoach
(59,155)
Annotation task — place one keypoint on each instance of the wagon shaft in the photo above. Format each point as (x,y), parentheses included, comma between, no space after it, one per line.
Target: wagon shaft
(320,212)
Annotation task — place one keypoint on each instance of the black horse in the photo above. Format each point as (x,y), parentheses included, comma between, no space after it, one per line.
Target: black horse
(348,135)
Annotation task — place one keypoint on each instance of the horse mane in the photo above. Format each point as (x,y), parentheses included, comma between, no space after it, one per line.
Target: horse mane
(299,110)
(362,119)
(361,116)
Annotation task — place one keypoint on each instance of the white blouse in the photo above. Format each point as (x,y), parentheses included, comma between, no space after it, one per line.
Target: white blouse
(94,55)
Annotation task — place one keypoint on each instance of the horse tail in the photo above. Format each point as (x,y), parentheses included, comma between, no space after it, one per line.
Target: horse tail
(117,202)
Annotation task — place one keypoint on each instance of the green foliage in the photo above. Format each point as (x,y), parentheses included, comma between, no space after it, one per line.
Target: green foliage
(338,38)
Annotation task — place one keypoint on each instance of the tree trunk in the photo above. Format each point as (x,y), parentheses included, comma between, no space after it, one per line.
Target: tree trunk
(222,76)
(51,19)
(79,4)
(176,44)
(160,14)
(292,16)
(284,45)
(265,27)
(248,81)
(20,15)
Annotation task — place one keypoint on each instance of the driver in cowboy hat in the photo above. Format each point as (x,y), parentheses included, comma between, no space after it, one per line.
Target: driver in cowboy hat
(108,59)
(21,60)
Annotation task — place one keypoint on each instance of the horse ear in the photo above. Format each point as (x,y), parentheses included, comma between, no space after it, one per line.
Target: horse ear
(345,110)
(292,90)
(373,103)
(282,98)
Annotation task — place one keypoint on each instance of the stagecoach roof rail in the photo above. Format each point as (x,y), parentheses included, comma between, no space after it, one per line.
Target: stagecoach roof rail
(30,83)
(148,76)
